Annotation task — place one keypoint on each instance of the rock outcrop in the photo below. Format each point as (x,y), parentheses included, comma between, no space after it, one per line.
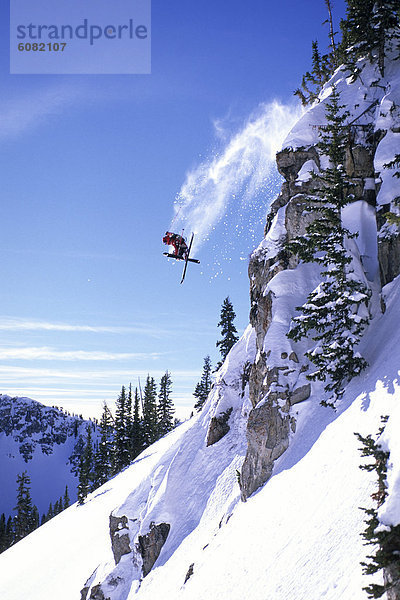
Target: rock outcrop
(134,555)
(389,257)
(391,578)
(219,426)
(150,545)
(119,534)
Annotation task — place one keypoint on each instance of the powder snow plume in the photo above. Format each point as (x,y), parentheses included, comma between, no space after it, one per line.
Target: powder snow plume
(236,175)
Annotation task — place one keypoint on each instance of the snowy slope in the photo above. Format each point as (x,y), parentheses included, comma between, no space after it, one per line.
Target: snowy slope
(173,480)
(298,537)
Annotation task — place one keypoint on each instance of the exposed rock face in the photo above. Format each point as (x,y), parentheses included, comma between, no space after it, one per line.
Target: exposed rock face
(141,554)
(389,258)
(391,578)
(84,592)
(268,438)
(119,534)
(150,545)
(97,593)
(218,427)
(300,394)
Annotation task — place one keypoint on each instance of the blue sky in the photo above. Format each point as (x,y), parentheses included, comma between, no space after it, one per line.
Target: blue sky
(91,166)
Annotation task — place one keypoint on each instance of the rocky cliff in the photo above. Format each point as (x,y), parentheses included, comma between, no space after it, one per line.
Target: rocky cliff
(278,376)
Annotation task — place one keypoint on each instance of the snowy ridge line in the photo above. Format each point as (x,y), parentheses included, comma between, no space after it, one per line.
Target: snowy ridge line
(43,441)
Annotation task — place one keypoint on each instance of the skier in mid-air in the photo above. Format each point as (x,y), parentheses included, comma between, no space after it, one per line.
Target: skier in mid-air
(178,243)
(181,249)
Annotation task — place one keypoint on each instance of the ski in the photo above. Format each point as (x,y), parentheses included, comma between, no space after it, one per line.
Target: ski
(187,258)
(193,260)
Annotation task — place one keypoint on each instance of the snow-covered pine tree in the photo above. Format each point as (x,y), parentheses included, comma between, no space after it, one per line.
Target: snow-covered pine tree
(370,27)
(86,468)
(356,33)
(165,408)
(150,424)
(229,335)
(25,520)
(121,436)
(104,458)
(384,29)
(203,387)
(385,540)
(336,311)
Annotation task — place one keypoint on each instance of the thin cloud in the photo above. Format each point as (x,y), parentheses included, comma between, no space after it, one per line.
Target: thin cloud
(20,115)
(27,325)
(20,324)
(48,353)
(90,376)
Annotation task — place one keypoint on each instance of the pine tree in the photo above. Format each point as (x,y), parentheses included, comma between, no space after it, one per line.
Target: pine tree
(2,532)
(50,512)
(322,65)
(203,387)
(370,28)
(66,500)
(9,535)
(104,458)
(36,517)
(385,28)
(314,80)
(385,540)
(137,429)
(356,32)
(335,312)
(165,408)
(121,436)
(331,34)
(56,507)
(25,519)
(129,420)
(228,329)
(150,424)
(86,476)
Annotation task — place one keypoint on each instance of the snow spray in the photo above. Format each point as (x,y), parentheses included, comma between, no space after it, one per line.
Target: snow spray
(236,185)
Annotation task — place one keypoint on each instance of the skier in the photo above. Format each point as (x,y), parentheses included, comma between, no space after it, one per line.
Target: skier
(178,242)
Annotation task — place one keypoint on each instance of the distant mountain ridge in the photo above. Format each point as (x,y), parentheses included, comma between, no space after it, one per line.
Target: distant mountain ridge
(42,440)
